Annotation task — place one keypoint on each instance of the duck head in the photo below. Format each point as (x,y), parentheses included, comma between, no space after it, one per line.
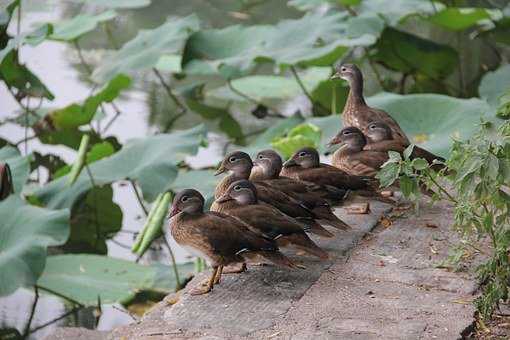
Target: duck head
(243,192)
(349,72)
(270,162)
(306,158)
(188,200)
(238,162)
(350,137)
(378,132)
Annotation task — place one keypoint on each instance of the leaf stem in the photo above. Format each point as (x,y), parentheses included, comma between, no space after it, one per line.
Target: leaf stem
(60,295)
(80,56)
(32,312)
(443,190)
(174,264)
(169,91)
(63,316)
(139,198)
(300,83)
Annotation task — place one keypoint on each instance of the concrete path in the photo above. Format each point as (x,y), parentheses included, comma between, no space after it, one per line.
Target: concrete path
(380,283)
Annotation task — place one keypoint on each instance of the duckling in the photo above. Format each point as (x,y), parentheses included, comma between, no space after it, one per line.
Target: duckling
(217,238)
(240,201)
(267,167)
(356,112)
(305,165)
(352,158)
(240,164)
(380,139)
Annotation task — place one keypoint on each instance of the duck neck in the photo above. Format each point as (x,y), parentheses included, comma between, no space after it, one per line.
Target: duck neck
(355,98)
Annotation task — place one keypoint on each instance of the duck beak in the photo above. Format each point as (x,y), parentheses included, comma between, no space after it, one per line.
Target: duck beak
(220,170)
(224,198)
(336,75)
(289,163)
(174,212)
(334,141)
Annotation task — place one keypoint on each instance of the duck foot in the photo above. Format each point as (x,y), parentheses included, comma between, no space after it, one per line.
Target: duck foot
(235,269)
(206,286)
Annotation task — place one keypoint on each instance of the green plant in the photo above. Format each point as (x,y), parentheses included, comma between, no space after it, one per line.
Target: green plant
(476,182)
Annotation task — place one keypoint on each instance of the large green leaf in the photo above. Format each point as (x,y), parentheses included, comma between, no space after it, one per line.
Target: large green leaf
(151,161)
(117,3)
(19,165)
(26,233)
(267,87)
(85,278)
(146,49)
(458,19)
(75,115)
(73,28)
(305,134)
(315,39)
(32,38)
(396,11)
(94,219)
(408,53)
(430,120)
(201,180)
(495,84)
(305,5)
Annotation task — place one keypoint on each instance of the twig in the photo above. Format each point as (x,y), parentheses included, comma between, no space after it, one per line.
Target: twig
(32,312)
(169,92)
(139,198)
(63,316)
(402,84)
(172,121)
(114,118)
(300,83)
(60,295)
(174,264)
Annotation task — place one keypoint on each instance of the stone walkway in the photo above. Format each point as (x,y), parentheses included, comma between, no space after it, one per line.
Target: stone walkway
(380,283)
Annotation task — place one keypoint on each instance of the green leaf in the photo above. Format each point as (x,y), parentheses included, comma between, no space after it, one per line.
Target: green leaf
(26,233)
(408,186)
(316,39)
(305,5)
(75,115)
(226,122)
(297,138)
(116,3)
(32,38)
(408,151)
(152,161)
(201,180)
(267,87)
(73,28)
(430,120)
(408,53)
(169,63)
(394,157)
(84,278)
(494,85)
(96,152)
(388,174)
(94,219)
(146,49)
(20,166)
(396,11)
(331,94)
(18,76)
(458,19)
(263,141)
(420,164)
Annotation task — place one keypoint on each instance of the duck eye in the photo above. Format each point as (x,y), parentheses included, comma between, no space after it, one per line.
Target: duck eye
(371,127)
(343,69)
(232,159)
(302,154)
(184,198)
(237,188)
(347,132)
(260,156)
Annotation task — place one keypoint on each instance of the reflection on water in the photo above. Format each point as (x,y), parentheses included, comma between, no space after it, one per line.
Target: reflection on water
(55,64)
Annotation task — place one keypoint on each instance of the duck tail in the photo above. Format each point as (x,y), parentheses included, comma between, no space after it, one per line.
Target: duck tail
(277,258)
(303,242)
(330,218)
(312,226)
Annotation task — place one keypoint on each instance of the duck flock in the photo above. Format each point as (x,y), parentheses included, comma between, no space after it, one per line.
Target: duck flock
(265,204)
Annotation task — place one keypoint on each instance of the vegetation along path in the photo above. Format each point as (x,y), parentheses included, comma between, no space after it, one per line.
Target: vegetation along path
(382,282)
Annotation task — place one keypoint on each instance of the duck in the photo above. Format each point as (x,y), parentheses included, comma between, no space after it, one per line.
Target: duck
(356,112)
(379,138)
(218,238)
(240,165)
(305,165)
(267,167)
(352,158)
(240,201)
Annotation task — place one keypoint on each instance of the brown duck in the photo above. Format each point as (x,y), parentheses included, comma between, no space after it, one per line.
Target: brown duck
(356,111)
(218,238)
(305,165)
(267,168)
(240,165)
(352,158)
(379,138)
(240,201)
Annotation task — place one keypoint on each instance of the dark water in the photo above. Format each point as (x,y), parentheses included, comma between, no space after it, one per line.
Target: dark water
(55,63)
